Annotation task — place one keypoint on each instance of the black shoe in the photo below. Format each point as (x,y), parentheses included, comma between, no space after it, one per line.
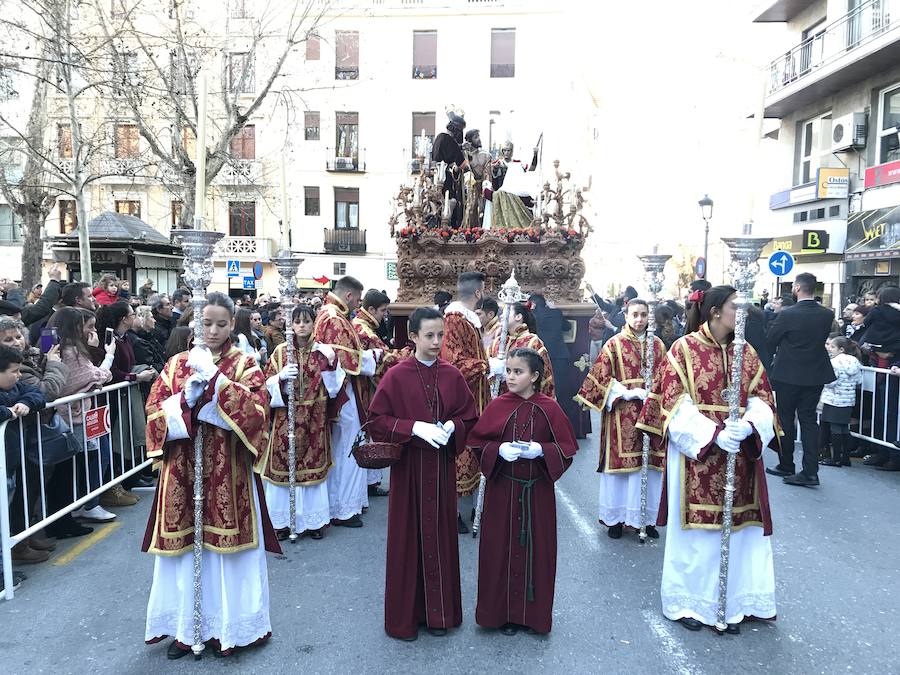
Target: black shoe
(615,532)
(893,464)
(352,521)
(461,526)
(778,471)
(690,624)
(829,462)
(733,629)
(438,632)
(282,533)
(67,528)
(652,532)
(509,629)
(317,534)
(875,460)
(802,480)
(376,491)
(175,652)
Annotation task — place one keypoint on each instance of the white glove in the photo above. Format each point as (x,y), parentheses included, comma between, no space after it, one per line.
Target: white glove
(289,372)
(635,394)
(194,387)
(325,350)
(448,426)
(431,434)
(200,360)
(729,439)
(376,354)
(497,367)
(534,451)
(509,452)
(743,428)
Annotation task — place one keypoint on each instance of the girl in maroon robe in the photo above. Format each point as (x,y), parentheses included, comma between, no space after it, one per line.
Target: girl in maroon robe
(422,402)
(526,444)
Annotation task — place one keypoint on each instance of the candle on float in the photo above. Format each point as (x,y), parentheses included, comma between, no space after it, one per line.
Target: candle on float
(447,203)
(285,220)
(200,158)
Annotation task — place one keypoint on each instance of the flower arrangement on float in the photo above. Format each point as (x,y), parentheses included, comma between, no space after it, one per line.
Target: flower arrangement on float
(473,234)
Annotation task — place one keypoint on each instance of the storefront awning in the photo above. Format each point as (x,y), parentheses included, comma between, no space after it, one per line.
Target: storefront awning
(873,234)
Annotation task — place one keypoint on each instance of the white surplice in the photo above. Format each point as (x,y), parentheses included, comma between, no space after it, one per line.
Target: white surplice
(690,579)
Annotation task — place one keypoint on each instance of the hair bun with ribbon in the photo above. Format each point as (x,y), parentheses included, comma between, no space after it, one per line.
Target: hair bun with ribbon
(697,296)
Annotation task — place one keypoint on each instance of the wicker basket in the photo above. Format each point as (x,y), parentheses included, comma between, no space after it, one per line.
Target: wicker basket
(375,455)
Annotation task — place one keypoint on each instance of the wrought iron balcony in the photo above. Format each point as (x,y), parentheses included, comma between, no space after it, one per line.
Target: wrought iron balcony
(345,164)
(844,38)
(345,240)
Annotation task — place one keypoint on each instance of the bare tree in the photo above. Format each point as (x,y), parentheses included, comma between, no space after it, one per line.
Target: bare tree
(166,55)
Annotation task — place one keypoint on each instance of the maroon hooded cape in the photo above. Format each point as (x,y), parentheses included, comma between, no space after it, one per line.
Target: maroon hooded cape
(517,555)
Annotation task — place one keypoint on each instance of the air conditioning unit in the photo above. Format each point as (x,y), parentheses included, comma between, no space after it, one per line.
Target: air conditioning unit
(343,163)
(848,132)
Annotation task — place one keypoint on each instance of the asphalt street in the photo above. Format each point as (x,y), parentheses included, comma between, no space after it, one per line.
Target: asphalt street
(837,556)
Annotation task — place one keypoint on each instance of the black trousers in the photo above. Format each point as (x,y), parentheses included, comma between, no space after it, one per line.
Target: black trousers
(799,400)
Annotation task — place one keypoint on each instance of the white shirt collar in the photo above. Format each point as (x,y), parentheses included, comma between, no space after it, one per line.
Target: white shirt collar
(460,308)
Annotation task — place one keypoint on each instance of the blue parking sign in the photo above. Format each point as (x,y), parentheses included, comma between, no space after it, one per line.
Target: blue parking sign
(781,263)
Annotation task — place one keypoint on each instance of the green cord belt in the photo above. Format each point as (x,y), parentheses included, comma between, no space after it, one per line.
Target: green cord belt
(525,538)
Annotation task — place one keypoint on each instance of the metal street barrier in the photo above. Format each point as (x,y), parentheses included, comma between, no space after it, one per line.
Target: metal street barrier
(106,451)
(877,408)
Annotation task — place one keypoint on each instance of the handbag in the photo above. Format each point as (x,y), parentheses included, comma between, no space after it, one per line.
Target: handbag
(58,442)
(376,454)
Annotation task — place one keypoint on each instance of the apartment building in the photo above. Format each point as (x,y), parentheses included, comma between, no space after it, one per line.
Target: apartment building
(350,101)
(836,89)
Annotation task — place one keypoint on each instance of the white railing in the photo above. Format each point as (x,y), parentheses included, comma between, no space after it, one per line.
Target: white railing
(877,409)
(240,172)
(91,457)
(244,248)
(865,23)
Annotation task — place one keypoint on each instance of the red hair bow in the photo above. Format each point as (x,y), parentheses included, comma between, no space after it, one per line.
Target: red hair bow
(696,296)
(529,305)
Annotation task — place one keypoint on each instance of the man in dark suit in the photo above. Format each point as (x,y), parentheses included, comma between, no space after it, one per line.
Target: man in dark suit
(551,325)
(800,369)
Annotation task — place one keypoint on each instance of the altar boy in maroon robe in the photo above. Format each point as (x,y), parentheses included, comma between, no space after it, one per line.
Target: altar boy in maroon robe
(526,443)
(425,404)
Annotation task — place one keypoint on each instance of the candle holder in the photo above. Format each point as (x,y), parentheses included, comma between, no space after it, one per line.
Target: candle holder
(744,267)
(654,265)
(198,245)
(287,263)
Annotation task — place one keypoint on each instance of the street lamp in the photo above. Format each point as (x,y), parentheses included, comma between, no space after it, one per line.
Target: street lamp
(706,208)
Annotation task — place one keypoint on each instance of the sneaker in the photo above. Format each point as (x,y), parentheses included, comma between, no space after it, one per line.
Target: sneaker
(118,496)
(18,578)
(97,514)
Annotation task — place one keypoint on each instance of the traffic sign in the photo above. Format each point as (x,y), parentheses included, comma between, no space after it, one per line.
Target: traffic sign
(234,268)
(96,422)
(249,284)
(700,268)
(781,263)
(257,270)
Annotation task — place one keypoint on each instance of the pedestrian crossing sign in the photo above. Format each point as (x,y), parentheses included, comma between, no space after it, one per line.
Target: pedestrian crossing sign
(234,268)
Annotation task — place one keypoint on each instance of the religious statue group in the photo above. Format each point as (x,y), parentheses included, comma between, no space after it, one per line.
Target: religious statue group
(471,406)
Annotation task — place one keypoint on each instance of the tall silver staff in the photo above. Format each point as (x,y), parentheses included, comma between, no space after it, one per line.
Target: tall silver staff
(198,248)
(287,264)
(654,265)
(509,295)
(745,252)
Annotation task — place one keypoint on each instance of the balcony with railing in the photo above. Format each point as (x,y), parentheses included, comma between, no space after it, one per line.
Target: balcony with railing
(345,240)
(240,172)
(355,163)
(244,248)
(859,44)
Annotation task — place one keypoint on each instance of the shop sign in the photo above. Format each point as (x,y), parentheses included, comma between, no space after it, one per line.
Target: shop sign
(833,183)
(883,174)
(874,234)
(808,243)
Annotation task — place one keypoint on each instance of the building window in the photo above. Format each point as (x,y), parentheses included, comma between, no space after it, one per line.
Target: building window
(242,219)
(68,216)
(424,54)
(503,52)
(422,123)
(346,55)
(346,208)
(815,135)
(340,269)
(311,200)
(10,226)
(241,78)
(64,141)
(347,136)
(311,125)
(125,73)
(127,141)
(313,48)
(128,207)
(177,208)
(889,112)
(243,146)
(188,142)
